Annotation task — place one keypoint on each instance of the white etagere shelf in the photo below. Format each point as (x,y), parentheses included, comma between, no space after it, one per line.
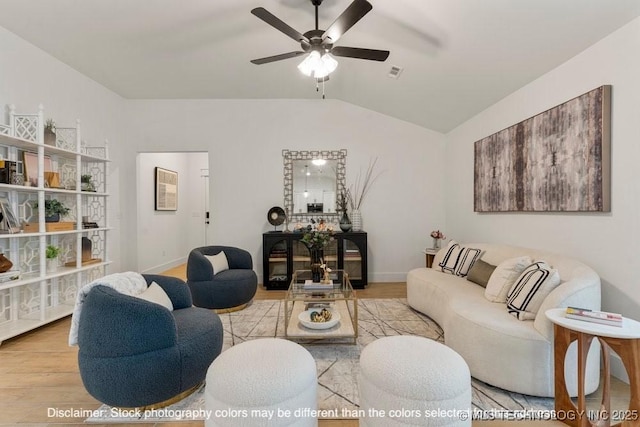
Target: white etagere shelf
(42,295)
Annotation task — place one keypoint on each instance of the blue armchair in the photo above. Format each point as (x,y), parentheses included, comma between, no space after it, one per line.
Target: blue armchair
(135,353)
(228,290)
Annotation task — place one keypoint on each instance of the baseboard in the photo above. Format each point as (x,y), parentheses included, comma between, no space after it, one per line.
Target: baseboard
(166,266)
(387,277)
(617,368)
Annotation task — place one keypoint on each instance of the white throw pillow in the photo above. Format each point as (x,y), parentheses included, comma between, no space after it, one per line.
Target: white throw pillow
(529,291)
(504,276)
(156,294)
(218,262)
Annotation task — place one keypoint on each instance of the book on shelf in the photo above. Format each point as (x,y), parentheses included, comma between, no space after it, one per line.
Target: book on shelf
(10,275)
(601,317)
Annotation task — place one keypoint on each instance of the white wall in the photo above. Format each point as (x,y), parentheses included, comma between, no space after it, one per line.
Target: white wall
(245,139)
(29,77)
(168,236)
(608,242)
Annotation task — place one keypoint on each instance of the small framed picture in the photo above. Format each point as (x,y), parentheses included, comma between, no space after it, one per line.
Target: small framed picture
(166,195)
(9,222)
(31,167)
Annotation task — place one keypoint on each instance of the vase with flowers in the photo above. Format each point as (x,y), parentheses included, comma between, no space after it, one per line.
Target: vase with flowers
(316,237)
(437,236)
(358,191)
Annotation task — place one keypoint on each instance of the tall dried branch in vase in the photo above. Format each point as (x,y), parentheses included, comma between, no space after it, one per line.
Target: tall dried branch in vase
(360,188)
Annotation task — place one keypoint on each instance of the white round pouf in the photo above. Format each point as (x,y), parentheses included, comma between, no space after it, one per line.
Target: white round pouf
(264,382)
(408,380)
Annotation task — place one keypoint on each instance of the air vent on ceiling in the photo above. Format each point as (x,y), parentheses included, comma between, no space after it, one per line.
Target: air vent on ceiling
(395,72)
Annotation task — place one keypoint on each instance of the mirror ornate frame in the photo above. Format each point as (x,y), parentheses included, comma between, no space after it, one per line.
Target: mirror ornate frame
(288,158)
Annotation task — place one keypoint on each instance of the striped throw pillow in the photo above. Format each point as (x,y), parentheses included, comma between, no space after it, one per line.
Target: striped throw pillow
(529,291)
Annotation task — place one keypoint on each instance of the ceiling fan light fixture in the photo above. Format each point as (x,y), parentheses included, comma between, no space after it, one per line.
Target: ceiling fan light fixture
(317,66)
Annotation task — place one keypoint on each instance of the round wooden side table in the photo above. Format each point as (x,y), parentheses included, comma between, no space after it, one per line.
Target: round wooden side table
(624,340)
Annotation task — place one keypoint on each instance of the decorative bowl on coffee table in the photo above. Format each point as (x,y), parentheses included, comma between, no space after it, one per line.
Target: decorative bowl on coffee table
(305,319)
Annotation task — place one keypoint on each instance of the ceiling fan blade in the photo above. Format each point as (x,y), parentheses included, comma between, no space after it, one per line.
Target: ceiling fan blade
(277,57)
(278,24)
(356,52)
(349,17)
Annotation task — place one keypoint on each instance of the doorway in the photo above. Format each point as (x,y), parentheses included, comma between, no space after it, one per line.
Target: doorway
(165,237)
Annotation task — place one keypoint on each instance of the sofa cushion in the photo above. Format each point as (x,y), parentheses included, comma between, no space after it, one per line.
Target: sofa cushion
(530,290)
(480,272)
(218,261)
(504,276)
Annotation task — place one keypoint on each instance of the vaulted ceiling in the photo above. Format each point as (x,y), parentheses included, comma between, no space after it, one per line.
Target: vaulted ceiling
(458,56)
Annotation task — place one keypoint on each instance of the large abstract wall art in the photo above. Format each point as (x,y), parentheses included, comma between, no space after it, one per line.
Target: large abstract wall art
(556,161)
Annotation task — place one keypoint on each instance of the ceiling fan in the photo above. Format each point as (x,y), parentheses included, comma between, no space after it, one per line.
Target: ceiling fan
(319,44)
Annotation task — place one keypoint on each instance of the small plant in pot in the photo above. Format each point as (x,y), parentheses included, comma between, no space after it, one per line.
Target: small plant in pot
(50,132)
(53,210)
(86,182)
(51,254)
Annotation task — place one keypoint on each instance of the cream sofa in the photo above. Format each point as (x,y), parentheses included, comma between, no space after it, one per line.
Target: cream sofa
(501,350)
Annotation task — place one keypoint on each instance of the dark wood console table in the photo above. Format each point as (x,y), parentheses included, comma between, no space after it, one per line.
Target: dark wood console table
(283,253)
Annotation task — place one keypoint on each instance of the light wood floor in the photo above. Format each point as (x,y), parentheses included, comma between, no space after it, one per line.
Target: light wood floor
(39,373)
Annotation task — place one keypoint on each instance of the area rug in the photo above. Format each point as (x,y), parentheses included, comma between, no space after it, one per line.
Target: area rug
(337,364)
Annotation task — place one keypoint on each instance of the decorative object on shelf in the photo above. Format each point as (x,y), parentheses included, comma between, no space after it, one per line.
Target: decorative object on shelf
(52,180)
(87,254)
(556,161)
(8,172)
(343,205)
(437,236)
(356,220)
(50,132)
(5,263)
(276,217)
(166,190)
(31,167)
(86,183)
(53,210)
(34,227)
(9,276)
(8,221)
(358,191)
(326,278)
(315,238)
(51,254)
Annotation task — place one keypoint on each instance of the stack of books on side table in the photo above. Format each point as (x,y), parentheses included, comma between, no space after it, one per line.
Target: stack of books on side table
(602,317)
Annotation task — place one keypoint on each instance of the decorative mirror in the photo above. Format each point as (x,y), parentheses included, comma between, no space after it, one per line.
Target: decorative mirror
(312,182)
